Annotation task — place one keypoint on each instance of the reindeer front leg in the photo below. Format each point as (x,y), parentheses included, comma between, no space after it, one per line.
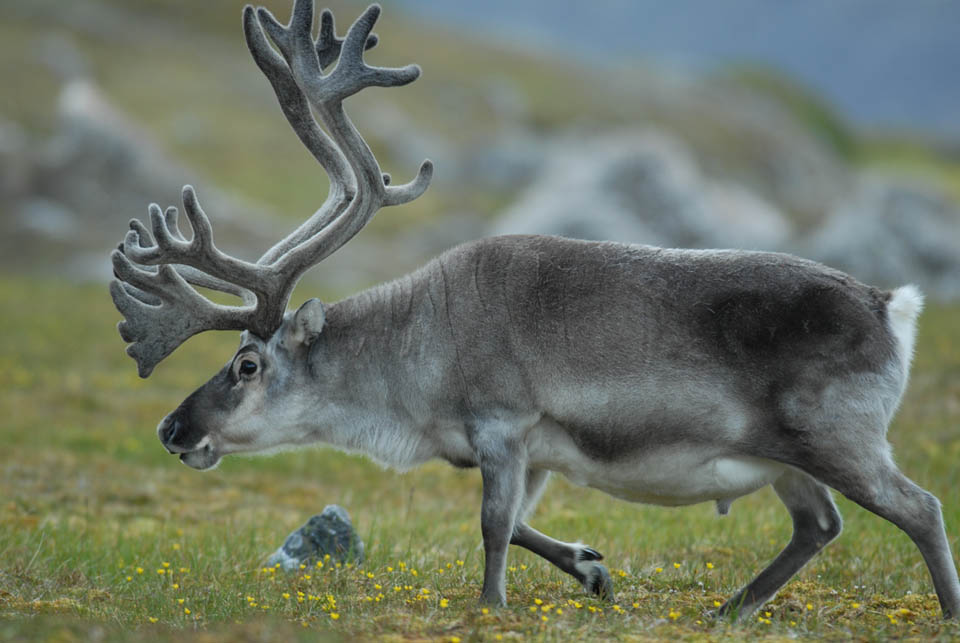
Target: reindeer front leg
(502,467)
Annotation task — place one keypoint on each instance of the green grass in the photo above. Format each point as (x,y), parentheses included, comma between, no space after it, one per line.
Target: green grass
(88,497)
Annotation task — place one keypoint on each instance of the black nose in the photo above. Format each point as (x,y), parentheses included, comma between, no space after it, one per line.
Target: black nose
(169,429)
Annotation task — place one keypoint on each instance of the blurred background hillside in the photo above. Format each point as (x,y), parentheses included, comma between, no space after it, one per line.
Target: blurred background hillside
(826,129)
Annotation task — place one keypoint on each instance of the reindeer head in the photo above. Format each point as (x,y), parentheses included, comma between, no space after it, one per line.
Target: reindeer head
(257,402)
(247,406)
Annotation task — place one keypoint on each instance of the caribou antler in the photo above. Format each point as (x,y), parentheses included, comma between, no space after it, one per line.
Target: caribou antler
(155,267)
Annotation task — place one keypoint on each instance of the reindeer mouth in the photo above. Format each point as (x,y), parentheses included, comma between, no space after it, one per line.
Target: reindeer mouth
(201,459)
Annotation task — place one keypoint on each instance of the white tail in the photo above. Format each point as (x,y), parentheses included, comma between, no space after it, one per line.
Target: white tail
(905,305)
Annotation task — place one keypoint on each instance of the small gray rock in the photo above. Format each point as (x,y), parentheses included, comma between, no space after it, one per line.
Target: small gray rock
(329,532)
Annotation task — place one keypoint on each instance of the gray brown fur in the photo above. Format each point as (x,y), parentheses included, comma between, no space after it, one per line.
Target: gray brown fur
(661,376)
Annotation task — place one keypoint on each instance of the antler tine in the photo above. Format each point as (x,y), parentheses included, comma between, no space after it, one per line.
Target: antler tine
(173,312)
(200,262)
(328,45)
(291,99)
(326,94)
(142,237)
(170,247)
(297,111)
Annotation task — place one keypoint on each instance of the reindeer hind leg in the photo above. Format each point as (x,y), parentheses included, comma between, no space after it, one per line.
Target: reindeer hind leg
(816,522)
(576,559)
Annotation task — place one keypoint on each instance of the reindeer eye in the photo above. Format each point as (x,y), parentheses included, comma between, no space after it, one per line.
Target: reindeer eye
(248,367)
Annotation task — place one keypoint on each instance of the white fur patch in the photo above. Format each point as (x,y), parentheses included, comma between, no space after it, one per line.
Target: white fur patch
(905,304)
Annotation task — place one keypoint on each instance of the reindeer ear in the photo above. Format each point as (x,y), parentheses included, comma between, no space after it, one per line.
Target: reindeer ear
(308,322)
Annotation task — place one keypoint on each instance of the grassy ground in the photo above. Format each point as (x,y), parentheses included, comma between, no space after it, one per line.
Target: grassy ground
(103,535)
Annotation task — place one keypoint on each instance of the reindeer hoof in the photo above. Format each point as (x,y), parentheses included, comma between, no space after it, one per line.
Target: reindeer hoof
(599,582)
(587,553)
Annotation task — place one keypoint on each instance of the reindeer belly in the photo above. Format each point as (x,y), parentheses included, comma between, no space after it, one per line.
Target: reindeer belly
(671,476)
(682,479)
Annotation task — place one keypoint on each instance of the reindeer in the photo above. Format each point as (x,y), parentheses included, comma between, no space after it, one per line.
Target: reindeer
(660,376)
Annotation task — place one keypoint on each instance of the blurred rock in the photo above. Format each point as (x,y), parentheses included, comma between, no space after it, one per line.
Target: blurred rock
(59,54)
(72,195)
(640,187)
(329,532)
(890,232)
